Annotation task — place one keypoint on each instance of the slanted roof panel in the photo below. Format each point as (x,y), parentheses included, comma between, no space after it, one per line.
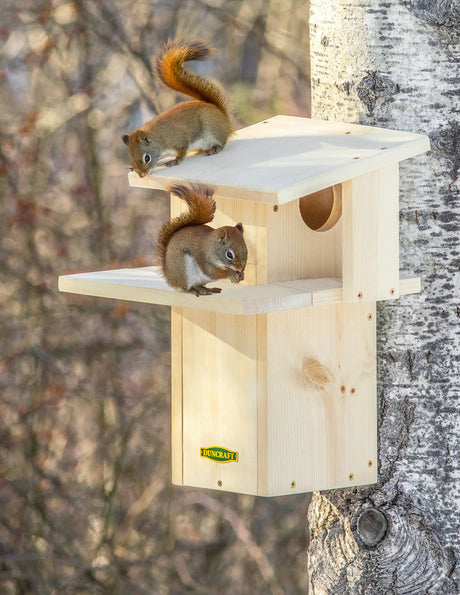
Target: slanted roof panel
(286,157)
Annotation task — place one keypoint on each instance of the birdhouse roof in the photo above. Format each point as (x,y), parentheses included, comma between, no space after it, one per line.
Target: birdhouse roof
(285,157)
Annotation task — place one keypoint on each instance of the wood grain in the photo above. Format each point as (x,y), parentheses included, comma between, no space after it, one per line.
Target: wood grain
(321,435)
(371,236)
(145,285)
(285,157)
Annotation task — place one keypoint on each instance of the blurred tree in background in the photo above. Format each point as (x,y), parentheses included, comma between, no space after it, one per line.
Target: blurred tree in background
(86,504)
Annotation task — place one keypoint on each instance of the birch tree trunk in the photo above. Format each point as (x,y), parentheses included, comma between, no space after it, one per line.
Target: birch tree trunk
(395,64)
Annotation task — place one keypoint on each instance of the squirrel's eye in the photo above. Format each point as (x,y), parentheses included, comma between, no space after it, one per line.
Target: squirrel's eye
(147,158)
(229,254)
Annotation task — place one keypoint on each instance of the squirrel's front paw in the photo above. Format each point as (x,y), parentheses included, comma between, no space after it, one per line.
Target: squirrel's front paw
(235,276)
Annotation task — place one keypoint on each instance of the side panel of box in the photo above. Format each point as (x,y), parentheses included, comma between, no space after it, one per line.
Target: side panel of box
(371,236)
(220,396)
(321,406)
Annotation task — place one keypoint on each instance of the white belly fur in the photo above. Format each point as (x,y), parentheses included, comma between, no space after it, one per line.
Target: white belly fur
(203,143)
(194,274)
(168,155)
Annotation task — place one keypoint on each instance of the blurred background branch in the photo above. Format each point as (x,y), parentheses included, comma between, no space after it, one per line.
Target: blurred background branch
(86,504)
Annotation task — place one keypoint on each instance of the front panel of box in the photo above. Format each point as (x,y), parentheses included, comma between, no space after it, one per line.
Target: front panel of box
(219,401)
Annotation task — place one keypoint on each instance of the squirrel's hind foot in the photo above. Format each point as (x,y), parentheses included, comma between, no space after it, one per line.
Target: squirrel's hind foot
(202,290)
(214,149)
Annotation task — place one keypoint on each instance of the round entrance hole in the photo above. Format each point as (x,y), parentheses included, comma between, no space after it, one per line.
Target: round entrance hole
(321,210)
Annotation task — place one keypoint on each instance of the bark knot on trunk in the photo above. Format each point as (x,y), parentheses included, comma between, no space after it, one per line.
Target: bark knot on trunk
(370,89)
(442,13)
(389,549)
(445,141)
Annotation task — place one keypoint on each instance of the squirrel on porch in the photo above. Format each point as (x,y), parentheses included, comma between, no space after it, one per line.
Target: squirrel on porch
(192,253)
(204,125)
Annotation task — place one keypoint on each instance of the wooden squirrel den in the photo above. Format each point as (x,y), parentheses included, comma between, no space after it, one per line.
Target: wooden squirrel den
(274,379)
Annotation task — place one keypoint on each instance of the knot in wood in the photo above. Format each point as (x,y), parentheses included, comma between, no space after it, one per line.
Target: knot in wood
(316,374)
(408,558)
(372,526)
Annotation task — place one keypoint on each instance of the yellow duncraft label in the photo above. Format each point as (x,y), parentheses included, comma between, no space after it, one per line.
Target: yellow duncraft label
(219,454)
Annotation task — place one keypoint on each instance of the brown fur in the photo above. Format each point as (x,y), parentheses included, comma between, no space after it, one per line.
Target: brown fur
(201,209)
(167,65)
(192,253)
(206,122)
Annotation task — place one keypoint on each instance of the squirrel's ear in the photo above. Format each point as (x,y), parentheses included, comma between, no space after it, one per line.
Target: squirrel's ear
(239,227)
(125,139)
(143,137)
(222,234)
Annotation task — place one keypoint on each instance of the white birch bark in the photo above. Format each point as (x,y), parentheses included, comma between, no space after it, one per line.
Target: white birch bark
(395,64)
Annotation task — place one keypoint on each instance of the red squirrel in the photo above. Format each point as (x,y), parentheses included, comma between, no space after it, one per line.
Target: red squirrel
(192,253)
(203,125)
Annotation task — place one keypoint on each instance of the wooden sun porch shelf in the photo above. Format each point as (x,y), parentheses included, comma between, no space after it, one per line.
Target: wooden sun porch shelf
(147,285)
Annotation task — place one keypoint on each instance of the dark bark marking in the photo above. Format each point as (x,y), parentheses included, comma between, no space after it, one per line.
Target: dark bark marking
(403,556)
(442,13)
(372,526)
(372,88)
(453,560)
(410,364)
(445,141)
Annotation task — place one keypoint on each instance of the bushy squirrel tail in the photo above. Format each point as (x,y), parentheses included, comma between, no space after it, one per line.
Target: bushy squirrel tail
(201,209)
(167,65)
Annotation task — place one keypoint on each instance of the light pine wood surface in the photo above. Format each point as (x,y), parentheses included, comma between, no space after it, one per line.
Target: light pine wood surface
(286,157)
(293,393)
(370,245)
(321,399)
(281,368)
(147,285)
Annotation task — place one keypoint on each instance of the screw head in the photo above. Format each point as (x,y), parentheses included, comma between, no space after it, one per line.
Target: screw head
(219,483)
(369,316)
(360,295)
(392,291)
(351,477)
(370,463)
(293,484)
(276,208)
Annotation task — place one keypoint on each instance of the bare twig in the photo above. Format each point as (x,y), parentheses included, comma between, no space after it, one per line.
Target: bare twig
(243,534)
